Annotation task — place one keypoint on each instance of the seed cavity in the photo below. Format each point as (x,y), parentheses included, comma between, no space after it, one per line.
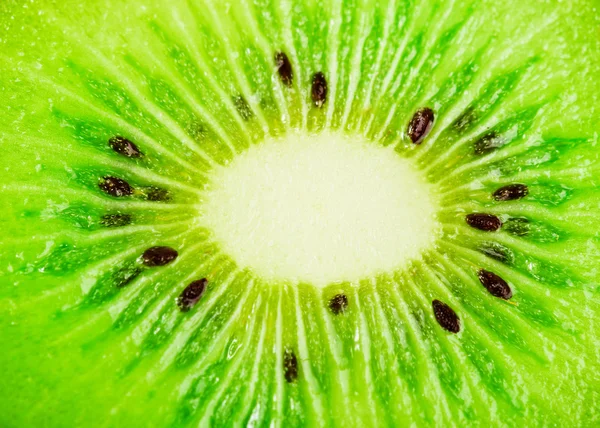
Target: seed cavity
(290,366)
(497,252)
(494,284)
(485,222)
(191,294)
(126,275)
(284,68)
(511,192)
(518,226)
(115,186)
(243,108)
(319,89)
(124,147)
(465,119)
(157,194)
(115,220)
(488,143)
(445,316)
(420,125)
(338,303)
(159,256)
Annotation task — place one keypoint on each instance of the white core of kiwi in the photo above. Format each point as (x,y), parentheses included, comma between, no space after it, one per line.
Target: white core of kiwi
(320,208)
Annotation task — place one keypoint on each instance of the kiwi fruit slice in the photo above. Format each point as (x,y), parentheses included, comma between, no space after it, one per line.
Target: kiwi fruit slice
(299,213)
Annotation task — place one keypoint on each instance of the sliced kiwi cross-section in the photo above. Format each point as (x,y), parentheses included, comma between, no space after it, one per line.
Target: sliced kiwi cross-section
(299,213)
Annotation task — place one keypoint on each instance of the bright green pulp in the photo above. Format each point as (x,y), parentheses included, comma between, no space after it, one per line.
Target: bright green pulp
(79,351)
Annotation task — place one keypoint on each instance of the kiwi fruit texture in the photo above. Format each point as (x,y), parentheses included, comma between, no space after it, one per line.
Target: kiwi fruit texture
(286,213)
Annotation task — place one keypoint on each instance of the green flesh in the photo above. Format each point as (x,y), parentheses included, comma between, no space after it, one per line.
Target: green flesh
(91,338)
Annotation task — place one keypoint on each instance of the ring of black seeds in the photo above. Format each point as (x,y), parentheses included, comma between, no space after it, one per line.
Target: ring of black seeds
(125,147)
(338,303)
(115,186)
(445,316)
(493,283)
(511,192)
(485,222)
(319,89)
(420,125)
(191,294)
(290,366)
(284,68)
(159,256)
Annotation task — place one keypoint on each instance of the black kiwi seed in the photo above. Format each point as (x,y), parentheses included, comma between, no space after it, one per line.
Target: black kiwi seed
(338,303)
(157,194)
(242,107)
(159,256)
(494,284)
(487,143)
(445,316)
(191,294)
(485,222)
(115,186)
(511,192)
(290,366)
(319,89)
(115,220)
(284,68)
(420,125)
(124,147)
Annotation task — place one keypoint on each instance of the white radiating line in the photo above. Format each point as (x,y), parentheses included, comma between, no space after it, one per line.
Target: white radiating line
(304,358)
(432,372)
(285,10)
(513,367)
(157,113)
(238,71)
(392,71)
(365,345)
(355,73)
(250,391)
(143,327)
(93,273)
(186,329)
(415,70)
(495,156)
(195,105)
(92,156)
(279,360)
(131,129)
(469,96)
(151,376)
(390,15)
(336,349)
(269,52)
(386,333)
(474,379)
(232,371)
(55,188)
(333,41)
(207,74)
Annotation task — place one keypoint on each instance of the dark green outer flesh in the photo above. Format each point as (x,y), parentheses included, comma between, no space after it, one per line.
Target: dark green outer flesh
(79,351)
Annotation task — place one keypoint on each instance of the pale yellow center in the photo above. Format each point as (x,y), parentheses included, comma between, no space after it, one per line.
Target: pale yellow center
(320,209)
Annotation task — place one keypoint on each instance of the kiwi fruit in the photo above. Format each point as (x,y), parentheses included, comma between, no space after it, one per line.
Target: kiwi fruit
(299,213)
